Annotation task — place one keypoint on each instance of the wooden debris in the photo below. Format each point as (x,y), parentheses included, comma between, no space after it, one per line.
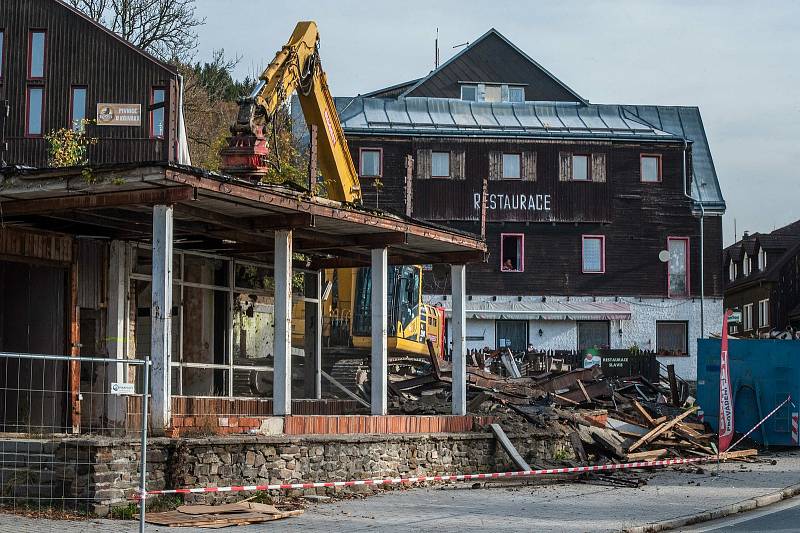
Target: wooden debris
(502,438)
(648,455)
(661,429)
(218,516)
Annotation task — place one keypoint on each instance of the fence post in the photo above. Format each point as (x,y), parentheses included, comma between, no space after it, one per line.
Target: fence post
(143,458)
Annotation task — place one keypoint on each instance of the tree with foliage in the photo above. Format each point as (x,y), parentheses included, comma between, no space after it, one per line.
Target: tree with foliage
(67,147)
(165,28)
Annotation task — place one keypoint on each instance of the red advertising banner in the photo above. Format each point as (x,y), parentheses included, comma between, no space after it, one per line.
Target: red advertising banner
(725,392)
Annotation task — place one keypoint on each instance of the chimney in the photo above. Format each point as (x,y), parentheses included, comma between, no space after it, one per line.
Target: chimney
(745,235)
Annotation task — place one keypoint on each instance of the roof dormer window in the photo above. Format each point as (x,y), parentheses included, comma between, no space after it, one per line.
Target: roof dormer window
(492,92)
(762,260)
(747,265)
(732,270)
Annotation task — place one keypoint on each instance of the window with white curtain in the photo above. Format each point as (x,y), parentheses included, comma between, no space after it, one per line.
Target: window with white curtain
(678,282)
(762,260)
(594,260)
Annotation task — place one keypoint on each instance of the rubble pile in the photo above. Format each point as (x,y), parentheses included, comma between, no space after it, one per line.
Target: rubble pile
(608,419)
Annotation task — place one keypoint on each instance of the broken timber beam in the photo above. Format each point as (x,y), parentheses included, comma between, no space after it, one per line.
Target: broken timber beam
(661,429)
(502,438)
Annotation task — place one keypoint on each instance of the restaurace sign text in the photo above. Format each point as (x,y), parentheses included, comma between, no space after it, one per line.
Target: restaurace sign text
(514,202)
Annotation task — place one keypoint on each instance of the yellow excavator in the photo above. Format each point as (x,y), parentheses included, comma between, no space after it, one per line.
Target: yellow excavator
(347,309)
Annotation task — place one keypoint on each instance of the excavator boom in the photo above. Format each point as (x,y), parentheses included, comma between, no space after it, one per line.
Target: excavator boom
(296,67)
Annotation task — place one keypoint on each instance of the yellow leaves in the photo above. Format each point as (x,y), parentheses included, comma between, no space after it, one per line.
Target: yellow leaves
(67,147)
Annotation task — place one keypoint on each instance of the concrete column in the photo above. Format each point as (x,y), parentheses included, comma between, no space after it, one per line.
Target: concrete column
(380,318)
(161,317)
(282,377)
(458,330)
(116,332)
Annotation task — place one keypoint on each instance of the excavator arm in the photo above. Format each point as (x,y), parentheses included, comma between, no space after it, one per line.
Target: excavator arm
(296,67)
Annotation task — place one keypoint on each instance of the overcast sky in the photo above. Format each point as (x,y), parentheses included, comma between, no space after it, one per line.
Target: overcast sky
(737,61)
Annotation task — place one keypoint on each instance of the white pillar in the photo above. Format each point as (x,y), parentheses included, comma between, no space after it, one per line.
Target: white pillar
(380,318)
(116,316)
(161,317)
(282,377)
(459,333)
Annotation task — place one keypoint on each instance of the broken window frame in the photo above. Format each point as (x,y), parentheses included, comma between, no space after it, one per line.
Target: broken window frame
(231,289)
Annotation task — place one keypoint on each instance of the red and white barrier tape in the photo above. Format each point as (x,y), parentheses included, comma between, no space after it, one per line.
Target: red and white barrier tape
(423,479)
(795,439)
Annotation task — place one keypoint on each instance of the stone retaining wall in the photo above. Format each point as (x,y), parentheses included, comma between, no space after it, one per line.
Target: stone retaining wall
(106,473)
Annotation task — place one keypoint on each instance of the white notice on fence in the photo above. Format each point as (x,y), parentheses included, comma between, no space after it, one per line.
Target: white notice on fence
(123,388)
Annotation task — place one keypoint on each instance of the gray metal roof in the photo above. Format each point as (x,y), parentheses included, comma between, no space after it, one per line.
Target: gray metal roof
(418,116)
(446,117)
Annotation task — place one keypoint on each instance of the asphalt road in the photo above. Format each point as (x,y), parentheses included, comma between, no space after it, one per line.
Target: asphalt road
(781,517)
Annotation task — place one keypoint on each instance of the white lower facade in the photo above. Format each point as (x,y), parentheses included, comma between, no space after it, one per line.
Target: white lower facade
(561,333)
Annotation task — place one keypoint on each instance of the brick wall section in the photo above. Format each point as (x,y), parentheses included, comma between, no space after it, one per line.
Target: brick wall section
(103,472)
(185,425)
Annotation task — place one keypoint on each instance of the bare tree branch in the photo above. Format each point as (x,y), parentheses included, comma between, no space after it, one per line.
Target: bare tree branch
(165,28)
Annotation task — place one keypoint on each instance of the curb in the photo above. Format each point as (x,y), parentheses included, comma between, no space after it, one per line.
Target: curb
(721,512)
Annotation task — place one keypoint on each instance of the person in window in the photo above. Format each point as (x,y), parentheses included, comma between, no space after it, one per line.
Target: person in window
(508,265)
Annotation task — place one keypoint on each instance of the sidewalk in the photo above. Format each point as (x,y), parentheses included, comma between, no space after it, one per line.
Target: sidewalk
(562,507)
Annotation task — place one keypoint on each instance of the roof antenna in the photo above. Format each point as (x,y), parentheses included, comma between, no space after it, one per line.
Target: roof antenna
(436,56)
(460,45)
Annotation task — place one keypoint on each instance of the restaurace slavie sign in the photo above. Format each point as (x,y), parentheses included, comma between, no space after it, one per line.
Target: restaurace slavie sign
(513,202)
(119,114)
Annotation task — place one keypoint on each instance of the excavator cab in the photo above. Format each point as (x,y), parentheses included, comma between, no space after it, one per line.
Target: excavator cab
(411,323)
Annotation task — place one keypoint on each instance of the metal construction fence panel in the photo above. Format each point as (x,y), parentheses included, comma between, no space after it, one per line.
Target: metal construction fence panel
(763,373)
(59,419)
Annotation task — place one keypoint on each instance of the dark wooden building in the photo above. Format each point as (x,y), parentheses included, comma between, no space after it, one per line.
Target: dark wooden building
(592,212)
(763,281)
(58,67)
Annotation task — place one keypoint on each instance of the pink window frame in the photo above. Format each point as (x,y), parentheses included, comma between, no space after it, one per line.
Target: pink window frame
(361,161)
(602,254)
(29,65)
(151,113)
(28,89)
(72,103)
(688,268)
(641,171)
(521,266)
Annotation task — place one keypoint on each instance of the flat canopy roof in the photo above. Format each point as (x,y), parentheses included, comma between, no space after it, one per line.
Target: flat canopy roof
(221,214)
